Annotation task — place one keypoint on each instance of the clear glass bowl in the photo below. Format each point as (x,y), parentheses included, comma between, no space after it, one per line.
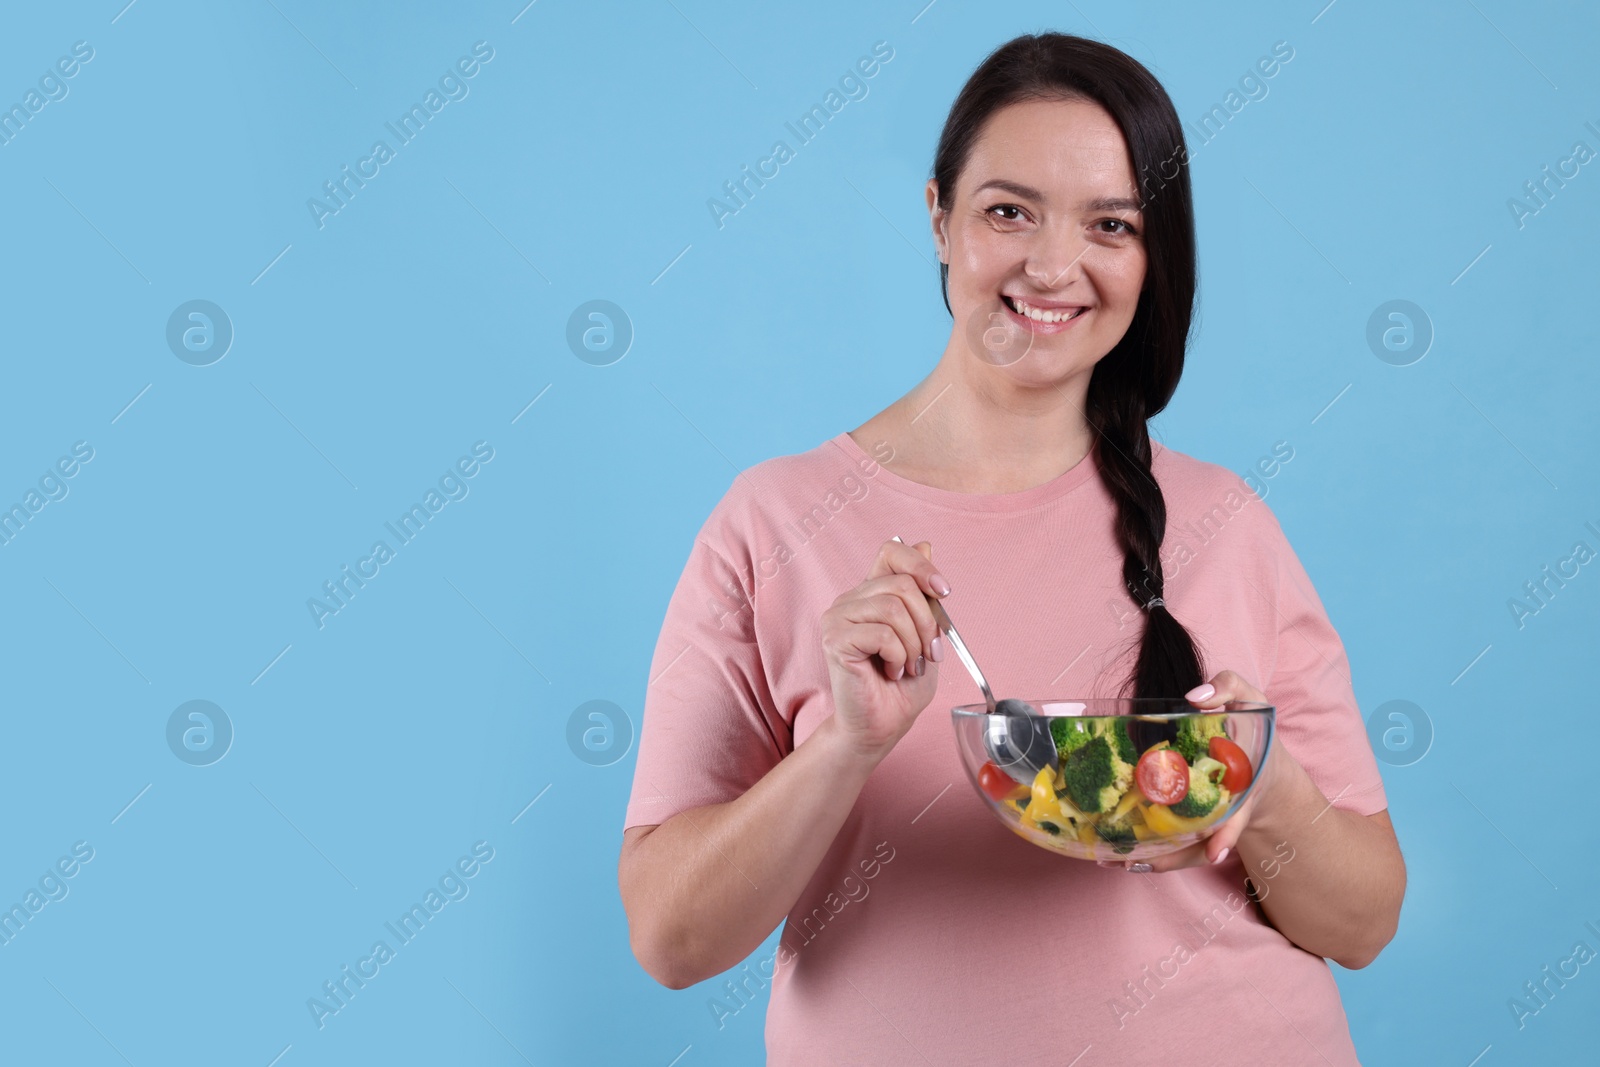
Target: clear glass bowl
(1134,827)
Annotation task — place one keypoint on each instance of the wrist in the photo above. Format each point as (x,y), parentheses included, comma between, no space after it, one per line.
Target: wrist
(843,753)
(1287,802)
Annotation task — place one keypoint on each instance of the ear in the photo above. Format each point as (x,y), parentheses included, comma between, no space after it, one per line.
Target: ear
(938,219)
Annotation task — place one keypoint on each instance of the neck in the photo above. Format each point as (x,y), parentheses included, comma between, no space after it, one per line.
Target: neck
(983,431)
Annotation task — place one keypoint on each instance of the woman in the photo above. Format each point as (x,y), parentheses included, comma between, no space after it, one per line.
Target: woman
(785,769)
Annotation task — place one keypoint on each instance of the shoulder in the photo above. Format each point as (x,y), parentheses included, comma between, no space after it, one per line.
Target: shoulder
(1197,491)
(1229,548)
(1187,479)
(782,488)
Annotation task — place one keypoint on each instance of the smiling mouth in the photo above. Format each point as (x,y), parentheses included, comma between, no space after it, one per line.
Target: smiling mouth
(1041,314)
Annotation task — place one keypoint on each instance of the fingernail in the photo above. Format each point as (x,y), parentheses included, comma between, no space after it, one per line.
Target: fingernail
(936,648)
(1200,692)
(1139,868)
(1222,855)
(919,667)
(940,586)
(899,672)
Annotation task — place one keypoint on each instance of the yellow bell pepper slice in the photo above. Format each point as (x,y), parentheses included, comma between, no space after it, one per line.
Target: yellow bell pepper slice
(1129,799)
(1045,806)
(1042,806)
(1161,819)
(1044,790)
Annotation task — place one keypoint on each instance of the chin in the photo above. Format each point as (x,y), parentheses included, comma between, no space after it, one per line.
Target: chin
(1038,370)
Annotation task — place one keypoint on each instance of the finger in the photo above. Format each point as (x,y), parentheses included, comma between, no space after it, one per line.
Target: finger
(1220,845)
(896,557)
(899,611)
(1224,843)
(1190,856)
(1224,687)
(891,610)
(860,641)
(905,587)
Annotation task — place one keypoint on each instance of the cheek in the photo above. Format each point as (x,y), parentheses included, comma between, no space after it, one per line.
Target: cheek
(982,254)
(1119,279)
(980,259)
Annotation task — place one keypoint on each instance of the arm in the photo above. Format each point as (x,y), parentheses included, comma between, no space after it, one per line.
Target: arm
(1340,895)
(1339,892)
(703,888)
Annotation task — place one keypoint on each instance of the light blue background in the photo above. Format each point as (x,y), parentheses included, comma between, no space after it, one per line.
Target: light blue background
(428,313)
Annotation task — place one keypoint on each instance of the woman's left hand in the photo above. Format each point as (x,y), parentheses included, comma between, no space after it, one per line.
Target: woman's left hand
(1224,687)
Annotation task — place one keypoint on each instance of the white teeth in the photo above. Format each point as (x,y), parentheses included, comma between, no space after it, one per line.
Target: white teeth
(1044,316)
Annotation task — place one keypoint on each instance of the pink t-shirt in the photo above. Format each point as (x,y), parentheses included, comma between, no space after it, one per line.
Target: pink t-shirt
(930,933)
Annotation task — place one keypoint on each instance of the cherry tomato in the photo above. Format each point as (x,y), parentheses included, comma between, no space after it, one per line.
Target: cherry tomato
(998,783)
(1231,756)
(1162,776)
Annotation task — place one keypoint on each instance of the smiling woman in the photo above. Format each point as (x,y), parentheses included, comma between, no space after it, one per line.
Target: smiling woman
(781,739)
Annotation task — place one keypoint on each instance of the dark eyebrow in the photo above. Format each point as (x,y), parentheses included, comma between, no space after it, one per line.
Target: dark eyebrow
(1115,203)
(1028,192)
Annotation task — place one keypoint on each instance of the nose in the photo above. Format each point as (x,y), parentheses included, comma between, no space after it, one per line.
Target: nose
(1055,260)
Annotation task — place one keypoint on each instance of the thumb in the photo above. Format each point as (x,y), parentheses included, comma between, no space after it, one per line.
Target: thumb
(1228,835)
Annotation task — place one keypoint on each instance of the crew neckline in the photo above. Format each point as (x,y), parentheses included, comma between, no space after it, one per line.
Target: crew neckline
(1044,493)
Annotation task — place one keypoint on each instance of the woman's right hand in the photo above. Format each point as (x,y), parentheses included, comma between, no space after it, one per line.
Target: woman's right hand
(873,636)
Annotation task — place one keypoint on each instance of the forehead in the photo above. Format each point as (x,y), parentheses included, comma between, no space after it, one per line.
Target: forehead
(1069,150)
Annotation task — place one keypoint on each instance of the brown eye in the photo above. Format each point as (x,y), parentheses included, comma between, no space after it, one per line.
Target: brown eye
(1006,207)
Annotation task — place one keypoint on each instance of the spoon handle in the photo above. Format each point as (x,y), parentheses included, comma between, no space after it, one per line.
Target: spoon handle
(942,617)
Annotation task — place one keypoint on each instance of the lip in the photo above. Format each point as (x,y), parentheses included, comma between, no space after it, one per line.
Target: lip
(1042,305)
(1034,326)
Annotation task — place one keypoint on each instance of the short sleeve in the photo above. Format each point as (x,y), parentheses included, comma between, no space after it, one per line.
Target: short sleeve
(710,729)
(1319,720)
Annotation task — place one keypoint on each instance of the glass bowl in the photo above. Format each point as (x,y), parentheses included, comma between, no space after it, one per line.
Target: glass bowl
(1096,738)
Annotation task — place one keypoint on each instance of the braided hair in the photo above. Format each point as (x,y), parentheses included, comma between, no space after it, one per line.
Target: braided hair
(1134,381)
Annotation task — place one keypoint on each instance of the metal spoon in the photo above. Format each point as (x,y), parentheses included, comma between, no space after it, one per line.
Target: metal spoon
(1015,737)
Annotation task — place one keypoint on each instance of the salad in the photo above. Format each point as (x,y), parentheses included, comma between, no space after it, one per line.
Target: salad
(1103,789)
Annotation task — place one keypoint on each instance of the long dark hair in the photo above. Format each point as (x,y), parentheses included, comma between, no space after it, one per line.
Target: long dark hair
(1135,379)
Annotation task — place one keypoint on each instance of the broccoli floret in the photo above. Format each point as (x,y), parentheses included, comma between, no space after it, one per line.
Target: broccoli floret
(1118,834)
(1069,734)
(1116,731)
(1117,829)
(1195,734)
(1096,776)
(1202,797)
(1205,789)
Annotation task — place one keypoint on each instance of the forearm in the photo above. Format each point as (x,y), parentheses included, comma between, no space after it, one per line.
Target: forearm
(703,889)
(1339,895)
